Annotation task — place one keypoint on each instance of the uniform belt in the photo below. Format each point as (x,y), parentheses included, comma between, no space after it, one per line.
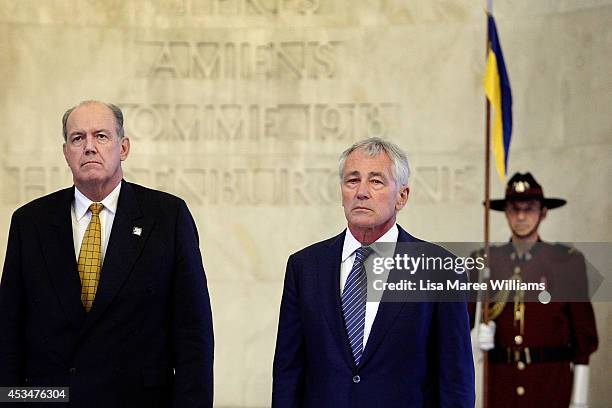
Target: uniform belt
(529,355)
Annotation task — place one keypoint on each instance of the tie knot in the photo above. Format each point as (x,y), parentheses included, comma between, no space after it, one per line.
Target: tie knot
(95,208)
(362,253)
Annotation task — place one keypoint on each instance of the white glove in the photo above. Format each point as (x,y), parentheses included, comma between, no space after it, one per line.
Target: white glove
(580,388)
(486,336)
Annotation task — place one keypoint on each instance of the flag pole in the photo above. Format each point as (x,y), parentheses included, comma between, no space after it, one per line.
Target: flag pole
(487,201)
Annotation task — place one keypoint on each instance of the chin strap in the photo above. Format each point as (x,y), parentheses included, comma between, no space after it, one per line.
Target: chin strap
(580,388)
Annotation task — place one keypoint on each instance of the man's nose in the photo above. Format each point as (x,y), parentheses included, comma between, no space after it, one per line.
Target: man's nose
(90,144)
(363,191)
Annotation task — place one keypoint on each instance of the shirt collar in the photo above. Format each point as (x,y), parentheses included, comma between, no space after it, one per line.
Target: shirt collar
(351,244)
(82,203)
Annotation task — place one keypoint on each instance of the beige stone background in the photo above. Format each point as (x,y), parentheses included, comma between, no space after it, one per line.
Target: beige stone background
(242,107)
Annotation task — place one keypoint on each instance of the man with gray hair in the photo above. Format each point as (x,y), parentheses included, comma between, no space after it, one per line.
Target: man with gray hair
(103,289)
(337,348)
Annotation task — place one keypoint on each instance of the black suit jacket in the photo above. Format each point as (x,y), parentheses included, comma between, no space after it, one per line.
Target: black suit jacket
(148,339)
(418,353)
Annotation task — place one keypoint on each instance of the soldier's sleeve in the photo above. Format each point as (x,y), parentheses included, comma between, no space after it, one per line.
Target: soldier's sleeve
(581,316)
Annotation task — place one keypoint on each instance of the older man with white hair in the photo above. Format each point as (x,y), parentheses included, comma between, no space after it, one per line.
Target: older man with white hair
(335,348)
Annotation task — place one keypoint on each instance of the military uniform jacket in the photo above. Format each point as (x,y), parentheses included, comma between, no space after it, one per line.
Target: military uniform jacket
(530,365)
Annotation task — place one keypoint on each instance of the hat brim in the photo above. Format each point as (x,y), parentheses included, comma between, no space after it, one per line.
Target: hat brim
(497,205)
(550,203)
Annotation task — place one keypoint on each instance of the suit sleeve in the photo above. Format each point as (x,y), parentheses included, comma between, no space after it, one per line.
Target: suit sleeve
(289,361)
(12,309)
(192,320)
(454,348)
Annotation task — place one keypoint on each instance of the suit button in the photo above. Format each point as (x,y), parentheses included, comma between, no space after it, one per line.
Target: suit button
(518,339)
(73,370)
(36,301)
(356,379)
(520,391)
(520,365)
(150,290)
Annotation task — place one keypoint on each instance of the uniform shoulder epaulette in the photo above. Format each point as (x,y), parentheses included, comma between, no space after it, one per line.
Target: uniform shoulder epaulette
(477,253)
(566,248)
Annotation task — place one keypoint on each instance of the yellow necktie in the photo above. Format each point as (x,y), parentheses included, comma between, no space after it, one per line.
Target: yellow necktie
(90,257)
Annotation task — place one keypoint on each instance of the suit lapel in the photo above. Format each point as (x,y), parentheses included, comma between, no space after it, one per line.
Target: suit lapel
(328,269)
(387,311)
(58,251)
(124,247)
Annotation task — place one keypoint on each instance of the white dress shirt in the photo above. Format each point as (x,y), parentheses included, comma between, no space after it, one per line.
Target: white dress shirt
(81,217)
(348,258)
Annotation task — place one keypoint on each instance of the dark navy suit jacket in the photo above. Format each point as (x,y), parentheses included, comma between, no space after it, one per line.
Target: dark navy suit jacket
(418,354)
(148,339)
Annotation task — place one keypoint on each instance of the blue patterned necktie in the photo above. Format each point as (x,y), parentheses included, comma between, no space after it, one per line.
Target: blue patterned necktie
(354,302)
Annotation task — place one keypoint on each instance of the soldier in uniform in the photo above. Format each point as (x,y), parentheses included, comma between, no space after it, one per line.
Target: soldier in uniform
(538,349)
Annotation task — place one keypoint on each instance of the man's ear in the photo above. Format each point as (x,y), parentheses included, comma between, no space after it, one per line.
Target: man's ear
(65,150)
(543,213)
(402,197)
(125,148)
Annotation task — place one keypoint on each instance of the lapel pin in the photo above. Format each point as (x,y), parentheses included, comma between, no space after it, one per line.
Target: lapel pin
(137,231)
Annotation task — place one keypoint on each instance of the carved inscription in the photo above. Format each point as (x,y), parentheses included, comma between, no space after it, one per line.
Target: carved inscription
(26,183)
(214,60)
(433,184)
(284,122)
(278,185)
(241,7)
(264,186)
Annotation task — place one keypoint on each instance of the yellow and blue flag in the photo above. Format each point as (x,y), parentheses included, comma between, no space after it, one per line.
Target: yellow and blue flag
(497,88)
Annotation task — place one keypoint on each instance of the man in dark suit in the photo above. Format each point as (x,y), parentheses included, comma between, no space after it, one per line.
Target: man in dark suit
(334,348)
(103,288)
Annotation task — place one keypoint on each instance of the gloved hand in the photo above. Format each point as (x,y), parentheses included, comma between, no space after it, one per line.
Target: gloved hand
(580,388)
(486,336)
